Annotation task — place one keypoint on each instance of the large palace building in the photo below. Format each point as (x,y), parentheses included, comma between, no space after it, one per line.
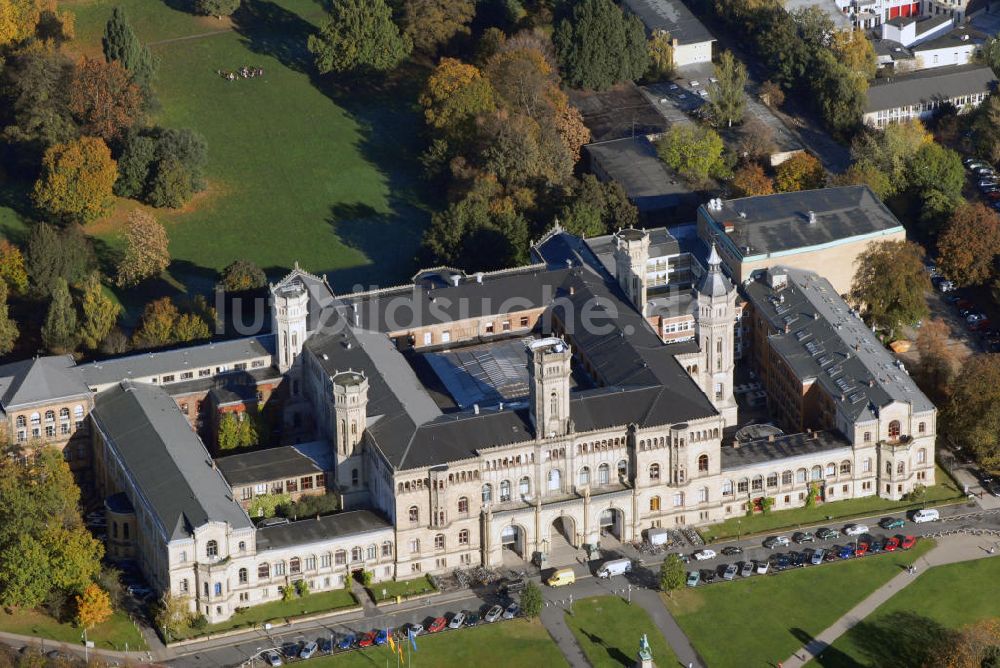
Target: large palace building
(471,419)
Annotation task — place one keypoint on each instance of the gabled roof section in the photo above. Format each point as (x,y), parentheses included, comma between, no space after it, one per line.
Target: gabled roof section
(41,379)
(321,296)
(169,465)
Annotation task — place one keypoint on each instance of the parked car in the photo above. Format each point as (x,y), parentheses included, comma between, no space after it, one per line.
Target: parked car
(512,611)
(325,645)
(781,561)
(845,552)
(817,556)
(730,572)
(799,558)
(614,567)
(772,542)
(763,567)
(308,650)
(826,534)
(829,556)
(273,658)
(732,550)
(803,537)
(457,621)
(926,515)
(874,545)
(438,624)
(693,578)
(747,569)
(888,523)
(993,488)
(891,544)
(944,285)
(855,529)
(708,575)
(347,642)
(702,555)
(472,619)
(908,542)
(415,629)
(511,585)
(861,550)
(493,614)
(367,639)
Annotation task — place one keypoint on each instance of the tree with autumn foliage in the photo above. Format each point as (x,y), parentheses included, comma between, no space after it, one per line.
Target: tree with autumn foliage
(12,271)
(750,180)
(100,312)
(854,51)
(21,20)
(889,285)
(431,24)
(661,56)
(8,327)
(968,248)
(93,607)
(935,369)
(974,646)
(103,98)
(146,249)
(972,416)
(455,94)
(802,171)
(77,180)
(156,328)
(865,174)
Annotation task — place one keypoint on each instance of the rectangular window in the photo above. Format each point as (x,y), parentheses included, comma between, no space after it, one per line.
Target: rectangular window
(524,322)
(324,561)
(260,488)
(203,373)
(279,568)
(320,480)
(247,493)
(187,375)
(291,486)
(445,336)
(310,563)
(307,482)
(168,378)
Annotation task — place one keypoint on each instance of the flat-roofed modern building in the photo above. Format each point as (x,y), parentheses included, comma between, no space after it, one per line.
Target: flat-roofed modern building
(918,94)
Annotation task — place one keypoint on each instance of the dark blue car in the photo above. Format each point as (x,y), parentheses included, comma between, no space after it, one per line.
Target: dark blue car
(782,561)
(381,637)
(347,642)
(846,552)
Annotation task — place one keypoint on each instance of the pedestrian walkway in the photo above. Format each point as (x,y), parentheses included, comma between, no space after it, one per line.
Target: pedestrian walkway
(949,550)
(554,620)
(650,601)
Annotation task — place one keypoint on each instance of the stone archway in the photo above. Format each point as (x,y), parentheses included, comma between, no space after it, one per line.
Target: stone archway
(562,545)
(512,540)
(612,523)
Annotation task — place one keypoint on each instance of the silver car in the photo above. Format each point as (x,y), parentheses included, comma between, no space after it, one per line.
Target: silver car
(493,614)
(747,569)
(457,621)
(730,572)
(308,650)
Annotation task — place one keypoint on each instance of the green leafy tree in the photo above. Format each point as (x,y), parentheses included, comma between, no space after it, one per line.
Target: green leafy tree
(170,185)
(287,593)
(359,37)
(672,575)
(158,323)
(936,176)
(228,435)
(134,165)
(36,84)
(469,233)
(8,326)
(173,614)
(968,247)
(599,46)
(595,208)
(217,8)
(661,56)
(972,416)
(727,97)
(865,173)
(431,24)
(24,587)
(889,285)
(531,600)
(839,93)
(100,313)
(190,327)
(243,275)
(121,44)
(247,432)
(990,55)
(59,333)
(52,253)
(694,152)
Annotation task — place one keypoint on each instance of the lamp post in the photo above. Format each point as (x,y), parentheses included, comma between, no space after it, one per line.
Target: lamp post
(739,530)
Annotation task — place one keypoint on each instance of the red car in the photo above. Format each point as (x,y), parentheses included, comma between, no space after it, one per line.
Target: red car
(861,550)
(908,542)
(368,639)
(891,544)
(437,625)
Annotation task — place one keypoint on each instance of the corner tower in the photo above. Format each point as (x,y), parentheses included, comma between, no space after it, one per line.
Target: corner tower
(549,369)
(715,322)
(350,411)
(631,256)
(289,315)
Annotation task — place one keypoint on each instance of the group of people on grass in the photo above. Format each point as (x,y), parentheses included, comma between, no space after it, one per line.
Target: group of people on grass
(244,72)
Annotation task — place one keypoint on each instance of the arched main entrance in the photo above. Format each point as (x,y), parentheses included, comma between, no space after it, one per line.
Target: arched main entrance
(512,540)
(612,522)
(562,544)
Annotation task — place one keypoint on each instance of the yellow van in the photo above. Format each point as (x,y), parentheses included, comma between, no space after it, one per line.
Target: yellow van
(563,576)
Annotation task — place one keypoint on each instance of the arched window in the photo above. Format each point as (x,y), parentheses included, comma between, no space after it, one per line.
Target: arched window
(603,474)
(263,571)
(463,537)
(50,416)
(758,483)
(555,480)
(294,565)
(463,504)
(622,469)
(553,405)
(243,576)
(63,413)
(703,464)
(243,546)
(654,504)
(900,468)
(654,472)
(414,514)
(356,554)
(36,419)
(212,549)
(845,467)
(487,493)
(894,430)
(524,486)
(21,421)
(727,487)
(439,541)
(504,491)
(772,479)
(817,472)
(801,475)
(584,477)
(831,470)
(868,437)
(743,486)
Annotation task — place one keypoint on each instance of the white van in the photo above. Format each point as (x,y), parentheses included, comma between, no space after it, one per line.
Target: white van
(926,515)
(614,567)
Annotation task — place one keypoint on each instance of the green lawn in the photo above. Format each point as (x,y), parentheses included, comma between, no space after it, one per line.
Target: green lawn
(608,629)
(945,597)
(281,610)
(112,634)
(297,169)
(945,490)
(516,643)
(404,588)
(763,619)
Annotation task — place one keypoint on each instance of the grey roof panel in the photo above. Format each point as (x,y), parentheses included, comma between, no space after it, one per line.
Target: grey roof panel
(672,16)
(39,379)
(322,529)
(264,465)
(782,448)
(939,83)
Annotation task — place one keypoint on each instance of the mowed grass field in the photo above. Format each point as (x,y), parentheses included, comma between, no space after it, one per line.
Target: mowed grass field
(515,643)
(301,168)
(761,620)
(608,630)
(945,597)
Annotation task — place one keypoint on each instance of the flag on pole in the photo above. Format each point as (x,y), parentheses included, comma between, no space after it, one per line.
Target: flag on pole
(413,638)
(392,643)
(400,648)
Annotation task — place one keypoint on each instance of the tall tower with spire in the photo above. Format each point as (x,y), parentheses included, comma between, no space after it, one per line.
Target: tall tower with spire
(715,322)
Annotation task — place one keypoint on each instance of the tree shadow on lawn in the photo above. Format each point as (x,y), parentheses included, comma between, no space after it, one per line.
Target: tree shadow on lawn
(271,30)
(899,639)
(613,652)
(387,239)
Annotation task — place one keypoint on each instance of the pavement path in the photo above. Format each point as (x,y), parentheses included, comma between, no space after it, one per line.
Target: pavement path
(949,550)
(554,620)
(650,601)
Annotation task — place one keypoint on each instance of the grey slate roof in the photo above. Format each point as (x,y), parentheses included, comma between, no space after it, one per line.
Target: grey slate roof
(822,340)
(321,297)
(672,16)
(783,448)
(647,180)
(143,365)
(40,379)
(925,86)
(248,468)
(306,532)
(169,464)
(953,38)
(770,224)
(713,282)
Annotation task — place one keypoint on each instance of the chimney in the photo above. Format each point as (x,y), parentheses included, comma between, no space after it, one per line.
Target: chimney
(501,406)
(475,409)
(479,277)
(770,438)
(736,445)
(455,280)
(812,217)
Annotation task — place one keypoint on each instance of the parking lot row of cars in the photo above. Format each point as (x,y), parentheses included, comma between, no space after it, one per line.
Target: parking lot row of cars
(300,650)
